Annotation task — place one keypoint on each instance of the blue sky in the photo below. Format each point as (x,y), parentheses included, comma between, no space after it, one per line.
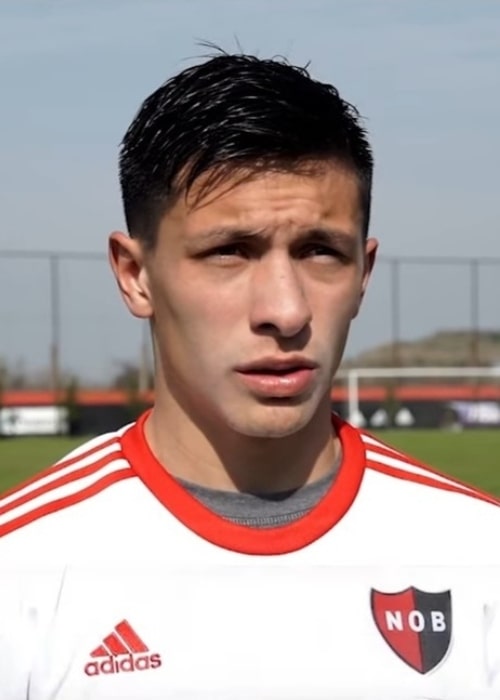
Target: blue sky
(425,75)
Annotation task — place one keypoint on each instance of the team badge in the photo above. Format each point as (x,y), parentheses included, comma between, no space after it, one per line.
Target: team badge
(415,624)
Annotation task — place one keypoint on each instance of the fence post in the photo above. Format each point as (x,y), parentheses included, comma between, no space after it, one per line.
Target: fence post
(55,326)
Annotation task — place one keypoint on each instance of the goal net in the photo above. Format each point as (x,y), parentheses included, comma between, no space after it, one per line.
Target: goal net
(405,397)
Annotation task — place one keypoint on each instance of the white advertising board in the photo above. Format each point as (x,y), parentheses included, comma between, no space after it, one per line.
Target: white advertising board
(34,420)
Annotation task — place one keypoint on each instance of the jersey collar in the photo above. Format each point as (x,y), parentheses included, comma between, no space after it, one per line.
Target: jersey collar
(240,538)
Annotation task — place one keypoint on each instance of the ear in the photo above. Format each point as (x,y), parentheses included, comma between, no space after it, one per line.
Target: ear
(369,257)
(370,254)
(126,257)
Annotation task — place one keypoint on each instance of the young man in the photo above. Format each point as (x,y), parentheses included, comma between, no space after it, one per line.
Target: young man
(239,542)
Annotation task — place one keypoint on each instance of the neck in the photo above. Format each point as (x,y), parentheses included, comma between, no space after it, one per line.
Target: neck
(217,457)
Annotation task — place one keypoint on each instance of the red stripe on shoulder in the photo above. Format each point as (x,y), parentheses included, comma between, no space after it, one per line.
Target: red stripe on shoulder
(388,451)
(479,493)
(454,487)
(58,467)
(61,481)
(66,501)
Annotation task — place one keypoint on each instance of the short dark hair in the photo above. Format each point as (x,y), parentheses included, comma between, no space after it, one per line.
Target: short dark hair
(233,111)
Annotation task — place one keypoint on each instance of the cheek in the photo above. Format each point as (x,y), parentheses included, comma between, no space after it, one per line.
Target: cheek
(195,320)
(340,301)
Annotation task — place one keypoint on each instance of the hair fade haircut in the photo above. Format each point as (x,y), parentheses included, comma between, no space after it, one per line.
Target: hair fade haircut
(234,111)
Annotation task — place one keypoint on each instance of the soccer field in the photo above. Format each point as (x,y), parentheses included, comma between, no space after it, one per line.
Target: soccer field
(472,456)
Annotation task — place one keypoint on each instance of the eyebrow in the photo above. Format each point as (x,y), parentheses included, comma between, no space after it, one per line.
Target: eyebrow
(225,235)
(321,234)
(328,236)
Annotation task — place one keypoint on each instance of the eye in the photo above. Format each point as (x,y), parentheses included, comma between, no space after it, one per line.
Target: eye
(228,251)
(227,254)
(320,251)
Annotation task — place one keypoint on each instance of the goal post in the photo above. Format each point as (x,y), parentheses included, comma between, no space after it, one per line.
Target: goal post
(352,377)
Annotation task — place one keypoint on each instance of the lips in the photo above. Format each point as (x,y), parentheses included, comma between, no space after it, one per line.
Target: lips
(277,365)
(278,377)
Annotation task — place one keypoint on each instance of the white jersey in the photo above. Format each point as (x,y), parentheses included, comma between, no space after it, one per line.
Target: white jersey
(116,583)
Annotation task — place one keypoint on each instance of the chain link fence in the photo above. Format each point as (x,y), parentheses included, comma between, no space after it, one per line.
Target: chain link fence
(61,313)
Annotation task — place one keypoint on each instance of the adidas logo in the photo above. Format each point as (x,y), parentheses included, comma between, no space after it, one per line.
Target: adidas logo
(123,651)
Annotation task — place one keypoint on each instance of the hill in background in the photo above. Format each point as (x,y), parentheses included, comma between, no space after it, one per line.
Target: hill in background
(457,348)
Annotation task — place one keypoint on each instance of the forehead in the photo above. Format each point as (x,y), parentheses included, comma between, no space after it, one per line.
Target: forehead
(271,200)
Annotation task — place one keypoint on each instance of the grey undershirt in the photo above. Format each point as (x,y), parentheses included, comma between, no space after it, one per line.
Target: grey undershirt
(264,509)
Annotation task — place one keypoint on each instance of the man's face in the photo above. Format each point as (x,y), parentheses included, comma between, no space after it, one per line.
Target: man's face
(252,291)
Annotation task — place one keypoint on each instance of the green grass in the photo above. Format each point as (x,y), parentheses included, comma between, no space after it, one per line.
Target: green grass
(472,456)
(21,458)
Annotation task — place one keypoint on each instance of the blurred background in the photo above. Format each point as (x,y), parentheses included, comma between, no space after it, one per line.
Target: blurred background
(425,351)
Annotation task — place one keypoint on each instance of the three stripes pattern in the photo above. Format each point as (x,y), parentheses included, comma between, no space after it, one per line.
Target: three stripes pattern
(83,474)
(123,640)
(100,463)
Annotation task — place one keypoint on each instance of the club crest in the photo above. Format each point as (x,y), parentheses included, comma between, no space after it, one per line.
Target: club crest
(415,624)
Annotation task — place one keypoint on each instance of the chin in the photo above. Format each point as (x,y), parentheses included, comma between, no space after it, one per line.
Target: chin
(278,419)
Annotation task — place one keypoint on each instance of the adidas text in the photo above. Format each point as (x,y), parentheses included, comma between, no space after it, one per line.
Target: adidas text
(124,664)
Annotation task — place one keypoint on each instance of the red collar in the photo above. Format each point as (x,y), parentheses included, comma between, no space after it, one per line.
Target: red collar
(239,538)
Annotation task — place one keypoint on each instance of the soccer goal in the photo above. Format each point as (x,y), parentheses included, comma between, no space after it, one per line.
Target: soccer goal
(476,387)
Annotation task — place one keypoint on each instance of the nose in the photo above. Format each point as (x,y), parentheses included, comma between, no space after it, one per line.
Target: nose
(279,302)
